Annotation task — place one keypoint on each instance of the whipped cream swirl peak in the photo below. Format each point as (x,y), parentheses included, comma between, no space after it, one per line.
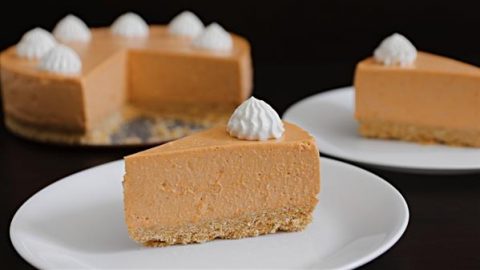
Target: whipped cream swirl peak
(255,120)
(35,44)
(214,38)
(62,60)
(395,50)
(186,24)
(71,28)
(130,25)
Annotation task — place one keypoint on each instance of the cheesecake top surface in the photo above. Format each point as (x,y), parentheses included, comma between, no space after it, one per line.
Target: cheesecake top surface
(425,62)
(105,44)
(218,137)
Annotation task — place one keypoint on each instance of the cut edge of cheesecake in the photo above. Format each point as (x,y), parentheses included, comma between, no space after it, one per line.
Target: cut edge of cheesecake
(375,124)
(84,121)
(233,222)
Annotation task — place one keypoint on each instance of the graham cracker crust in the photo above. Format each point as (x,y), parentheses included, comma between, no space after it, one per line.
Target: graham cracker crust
(420,134)
(288,220)
(131,126)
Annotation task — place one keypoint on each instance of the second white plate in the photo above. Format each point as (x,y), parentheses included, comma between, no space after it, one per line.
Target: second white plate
(78,222)
(329,117)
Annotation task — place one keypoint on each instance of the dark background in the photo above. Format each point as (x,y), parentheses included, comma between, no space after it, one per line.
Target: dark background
(299,48)
(316,43)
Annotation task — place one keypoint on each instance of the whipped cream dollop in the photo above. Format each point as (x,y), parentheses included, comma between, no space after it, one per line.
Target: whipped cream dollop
(71,28)
(130,25)
(61,59)
(35,44)
(255,120)
(395,50)
(214,38)
(186,24)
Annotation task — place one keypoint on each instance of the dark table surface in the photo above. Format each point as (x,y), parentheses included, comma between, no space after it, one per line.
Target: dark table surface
(444,227)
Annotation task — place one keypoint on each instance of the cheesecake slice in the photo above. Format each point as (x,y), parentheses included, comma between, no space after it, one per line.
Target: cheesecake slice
(214,185)
(431,99)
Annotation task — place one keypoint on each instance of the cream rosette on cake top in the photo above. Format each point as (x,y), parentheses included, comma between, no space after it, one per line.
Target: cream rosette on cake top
(255,120)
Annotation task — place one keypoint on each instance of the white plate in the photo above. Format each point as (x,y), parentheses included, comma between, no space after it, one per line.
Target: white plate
(329,117)
(77,222)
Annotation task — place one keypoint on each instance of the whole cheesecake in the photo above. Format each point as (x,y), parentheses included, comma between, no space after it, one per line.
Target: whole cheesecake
(255,176)
(127,70)
(417,96)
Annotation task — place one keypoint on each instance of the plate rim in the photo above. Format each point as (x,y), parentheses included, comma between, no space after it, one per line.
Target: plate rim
(381,249)
(405,209)
(414,168)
